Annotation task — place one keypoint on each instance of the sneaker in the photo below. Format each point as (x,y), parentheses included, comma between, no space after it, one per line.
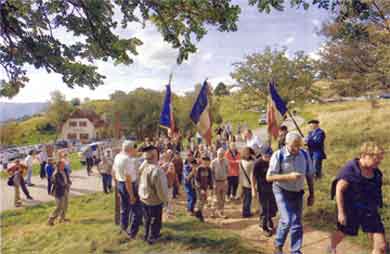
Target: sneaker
(266,232)
(30,198)
(50,223)
(30,184)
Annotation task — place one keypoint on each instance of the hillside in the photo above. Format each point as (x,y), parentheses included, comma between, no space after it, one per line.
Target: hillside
(13,111)
(347,126)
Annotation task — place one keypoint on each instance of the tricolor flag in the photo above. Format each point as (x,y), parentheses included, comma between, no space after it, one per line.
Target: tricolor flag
(276,110)
(166,117)
(200,113)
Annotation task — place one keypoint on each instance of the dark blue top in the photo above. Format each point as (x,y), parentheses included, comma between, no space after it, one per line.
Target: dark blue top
(362,192)
(49,170)
(186,172)
(315,142)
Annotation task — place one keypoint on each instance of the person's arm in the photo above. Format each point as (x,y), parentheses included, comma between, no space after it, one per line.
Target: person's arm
(273,173)
(341,187)
(161,183)
(254,181)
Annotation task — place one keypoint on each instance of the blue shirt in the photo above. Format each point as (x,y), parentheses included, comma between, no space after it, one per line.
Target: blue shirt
(49,170)
(186,172)
(283,162)
(315,141)
(362,192)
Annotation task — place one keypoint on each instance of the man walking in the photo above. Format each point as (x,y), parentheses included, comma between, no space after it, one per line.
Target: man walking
(315,142)
(61,185)
(220,171)
(43,160)
(153,192)
(125,174)
(288,169)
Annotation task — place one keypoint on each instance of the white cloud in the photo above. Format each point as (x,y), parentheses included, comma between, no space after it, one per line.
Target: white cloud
(289,40)
(207,56)
(316,22)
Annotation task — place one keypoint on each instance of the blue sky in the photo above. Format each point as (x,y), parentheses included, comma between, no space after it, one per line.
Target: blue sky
(294,29)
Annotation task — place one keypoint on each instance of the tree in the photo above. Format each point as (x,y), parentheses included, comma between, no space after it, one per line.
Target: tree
(221,89)
(75,102)
(30,28)
(356,56)
(59,109)
(294,76)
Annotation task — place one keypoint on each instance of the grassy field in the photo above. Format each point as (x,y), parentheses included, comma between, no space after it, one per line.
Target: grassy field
(347,126)
(92,231)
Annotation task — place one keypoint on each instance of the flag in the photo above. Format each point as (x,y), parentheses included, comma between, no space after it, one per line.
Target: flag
(276,110)
(167,119)
(200,113)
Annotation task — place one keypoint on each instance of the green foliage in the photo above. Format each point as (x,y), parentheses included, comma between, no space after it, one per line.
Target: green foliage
(35,130)
(59,109)
(356,56)
(294,76)
(93,230)
(221,89)
(30,32)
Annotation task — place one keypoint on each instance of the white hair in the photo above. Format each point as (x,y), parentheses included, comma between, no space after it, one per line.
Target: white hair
(126,145)
(220,151)
(291,137)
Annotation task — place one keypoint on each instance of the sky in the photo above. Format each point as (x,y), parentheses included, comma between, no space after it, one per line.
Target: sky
(217,51)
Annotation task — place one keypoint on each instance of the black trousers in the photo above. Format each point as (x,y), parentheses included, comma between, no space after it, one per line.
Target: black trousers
(247,202)
(24,187)
(152,221)
(42,172)
(268,209)
(232,186)
(89,162)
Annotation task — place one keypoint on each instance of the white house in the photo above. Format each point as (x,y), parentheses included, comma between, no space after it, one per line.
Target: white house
(83,126)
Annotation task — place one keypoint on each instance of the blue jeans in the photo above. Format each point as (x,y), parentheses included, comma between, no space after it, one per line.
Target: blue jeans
(126,209)
(247,202)
(28,177)
(317,164)
(290,205)
(191,197)
(152,221)
(107,182)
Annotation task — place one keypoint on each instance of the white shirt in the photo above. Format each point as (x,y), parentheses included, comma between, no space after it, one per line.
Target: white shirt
(43,156)
(123,166)
(29,162)
(254,143)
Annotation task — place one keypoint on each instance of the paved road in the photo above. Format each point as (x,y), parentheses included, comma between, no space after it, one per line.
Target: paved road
(81,184)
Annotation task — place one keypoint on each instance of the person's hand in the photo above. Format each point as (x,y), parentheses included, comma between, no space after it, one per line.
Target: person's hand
(294,176)
(342,219)
(132,199)
(310,200)
(253,192)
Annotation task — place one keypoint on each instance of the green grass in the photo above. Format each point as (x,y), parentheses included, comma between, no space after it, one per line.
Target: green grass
(92,230)
(347,126)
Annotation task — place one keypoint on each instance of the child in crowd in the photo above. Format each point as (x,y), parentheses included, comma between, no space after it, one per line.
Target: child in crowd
(203,182)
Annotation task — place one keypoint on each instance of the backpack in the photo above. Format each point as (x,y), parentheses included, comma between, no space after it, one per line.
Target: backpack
(281,159)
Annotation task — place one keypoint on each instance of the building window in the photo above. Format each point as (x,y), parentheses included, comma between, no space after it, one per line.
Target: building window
(83,124)
(72,124)
(72,136)
(84,136)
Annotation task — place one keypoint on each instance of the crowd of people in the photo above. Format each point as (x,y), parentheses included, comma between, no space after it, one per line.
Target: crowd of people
(230,171)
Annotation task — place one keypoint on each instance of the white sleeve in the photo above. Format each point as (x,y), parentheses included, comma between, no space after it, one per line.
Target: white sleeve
(274,165)
(130,167)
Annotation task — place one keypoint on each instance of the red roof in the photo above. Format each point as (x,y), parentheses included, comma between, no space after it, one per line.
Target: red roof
(95,119)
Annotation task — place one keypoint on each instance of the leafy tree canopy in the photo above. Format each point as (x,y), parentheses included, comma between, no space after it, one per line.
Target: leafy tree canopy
(293,75)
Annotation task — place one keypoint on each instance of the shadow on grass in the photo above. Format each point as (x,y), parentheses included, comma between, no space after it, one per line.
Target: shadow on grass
(321,218)
(91,221)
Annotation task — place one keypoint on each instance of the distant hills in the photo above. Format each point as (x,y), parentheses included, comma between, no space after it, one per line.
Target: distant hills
(14,111)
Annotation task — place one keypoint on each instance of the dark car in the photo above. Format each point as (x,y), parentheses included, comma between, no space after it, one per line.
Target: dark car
(384,96)
(61,144)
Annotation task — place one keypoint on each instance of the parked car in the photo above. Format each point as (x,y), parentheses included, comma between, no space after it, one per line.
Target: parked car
(384,96)
(61,144)
(263,119)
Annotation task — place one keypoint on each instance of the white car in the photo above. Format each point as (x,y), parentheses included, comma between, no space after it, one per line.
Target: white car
(263,119)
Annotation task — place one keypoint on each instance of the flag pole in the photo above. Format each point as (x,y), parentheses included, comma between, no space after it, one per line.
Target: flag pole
(295,123)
